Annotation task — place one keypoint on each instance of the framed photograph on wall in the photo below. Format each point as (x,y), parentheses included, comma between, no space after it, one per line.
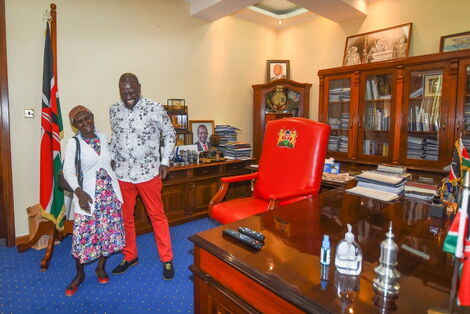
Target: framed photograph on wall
(455,42)
(381,45)
(277,69)
(202,130)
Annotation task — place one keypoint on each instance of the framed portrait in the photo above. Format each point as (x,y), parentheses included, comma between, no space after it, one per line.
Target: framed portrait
(381,45)
(202,130)
(455,42)
(432,85)
(277,69)
(175,103)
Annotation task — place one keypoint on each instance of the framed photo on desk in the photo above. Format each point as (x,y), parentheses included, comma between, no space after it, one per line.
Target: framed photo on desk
(202,131)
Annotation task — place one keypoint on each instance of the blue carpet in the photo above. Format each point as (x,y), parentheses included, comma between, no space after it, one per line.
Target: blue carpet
(24,289)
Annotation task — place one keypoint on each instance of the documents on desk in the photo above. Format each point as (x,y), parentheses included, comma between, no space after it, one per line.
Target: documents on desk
(374,176)
(337,177)
(373,193)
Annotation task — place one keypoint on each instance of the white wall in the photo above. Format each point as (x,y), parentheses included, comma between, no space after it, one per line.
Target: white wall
(211,65)
(319,44)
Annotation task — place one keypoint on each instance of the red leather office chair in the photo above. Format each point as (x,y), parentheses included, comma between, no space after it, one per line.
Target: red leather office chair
(290,169)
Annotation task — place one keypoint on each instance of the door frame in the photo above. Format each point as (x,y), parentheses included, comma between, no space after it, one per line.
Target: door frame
(6,178)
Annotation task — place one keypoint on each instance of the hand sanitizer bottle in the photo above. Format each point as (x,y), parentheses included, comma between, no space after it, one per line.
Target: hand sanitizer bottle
(348,259)
(325,250)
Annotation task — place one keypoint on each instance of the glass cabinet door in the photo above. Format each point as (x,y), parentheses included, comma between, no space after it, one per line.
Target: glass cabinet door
(376,110)
(339,97)
(424,114)
(466,112)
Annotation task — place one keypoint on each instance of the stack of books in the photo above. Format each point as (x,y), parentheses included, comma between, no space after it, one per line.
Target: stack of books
(415,147)
(431,149)
(333,143)
(238,150)
(340,94)
(227,134)
(343,144)
(229,144)
(388,180)
(420,190)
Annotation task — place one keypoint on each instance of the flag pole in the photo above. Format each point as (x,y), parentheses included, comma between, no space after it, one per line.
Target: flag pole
(50,195)
(453,291)
(54,37)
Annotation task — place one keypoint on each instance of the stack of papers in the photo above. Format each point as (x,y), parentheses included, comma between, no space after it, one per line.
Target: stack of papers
(375,181)
(373,193)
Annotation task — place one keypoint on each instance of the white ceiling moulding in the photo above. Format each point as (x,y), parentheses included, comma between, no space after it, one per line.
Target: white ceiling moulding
(276,22)
(212,10)
(335,10)
(271,13)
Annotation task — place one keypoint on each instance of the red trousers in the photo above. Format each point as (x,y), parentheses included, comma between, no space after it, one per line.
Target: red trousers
(150,192)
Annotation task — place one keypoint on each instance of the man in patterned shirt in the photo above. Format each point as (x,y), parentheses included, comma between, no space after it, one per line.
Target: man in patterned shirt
(137,124)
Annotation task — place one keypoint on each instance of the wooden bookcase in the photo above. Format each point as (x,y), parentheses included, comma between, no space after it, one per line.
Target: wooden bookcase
(408,111)
(276,100)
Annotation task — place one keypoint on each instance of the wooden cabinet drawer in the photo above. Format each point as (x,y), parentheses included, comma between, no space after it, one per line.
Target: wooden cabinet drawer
(235,168)
(206,171)
(176,175)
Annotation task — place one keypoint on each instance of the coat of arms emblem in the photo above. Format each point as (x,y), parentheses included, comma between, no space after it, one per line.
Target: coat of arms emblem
(286,138)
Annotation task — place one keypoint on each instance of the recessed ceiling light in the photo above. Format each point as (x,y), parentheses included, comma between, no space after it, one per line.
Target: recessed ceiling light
(278,9)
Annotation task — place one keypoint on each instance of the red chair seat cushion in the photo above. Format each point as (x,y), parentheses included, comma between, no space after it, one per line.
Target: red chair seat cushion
(237,209)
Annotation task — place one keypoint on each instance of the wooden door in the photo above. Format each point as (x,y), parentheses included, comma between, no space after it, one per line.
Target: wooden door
(376,116)
(7,222)
(462,121)
(336,111)
(427,115)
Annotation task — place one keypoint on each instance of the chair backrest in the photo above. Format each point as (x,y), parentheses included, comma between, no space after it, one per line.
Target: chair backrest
(292,156)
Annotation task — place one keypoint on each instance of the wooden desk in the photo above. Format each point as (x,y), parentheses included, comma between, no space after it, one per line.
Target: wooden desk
(187,191)
(284,276)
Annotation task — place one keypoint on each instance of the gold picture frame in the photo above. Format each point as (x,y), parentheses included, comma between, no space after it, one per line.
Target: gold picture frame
(381,45)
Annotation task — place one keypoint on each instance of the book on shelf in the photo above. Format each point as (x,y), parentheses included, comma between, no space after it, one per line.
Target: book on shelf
(417,93)
(378,87)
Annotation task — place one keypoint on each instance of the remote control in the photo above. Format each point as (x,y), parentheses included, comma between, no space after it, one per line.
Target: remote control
(251,233)
(243,238)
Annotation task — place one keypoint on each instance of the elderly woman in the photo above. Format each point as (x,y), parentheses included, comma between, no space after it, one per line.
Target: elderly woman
(97,229)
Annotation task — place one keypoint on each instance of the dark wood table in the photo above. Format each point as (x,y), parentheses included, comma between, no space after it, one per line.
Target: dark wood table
(284,276)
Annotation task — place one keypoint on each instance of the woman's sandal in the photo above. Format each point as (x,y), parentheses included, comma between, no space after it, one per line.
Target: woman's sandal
(70,291)
(102,279)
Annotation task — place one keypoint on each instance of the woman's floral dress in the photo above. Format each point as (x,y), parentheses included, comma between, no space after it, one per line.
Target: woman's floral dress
(102,233)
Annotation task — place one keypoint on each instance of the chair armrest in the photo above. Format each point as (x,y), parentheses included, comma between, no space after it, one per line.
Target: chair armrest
(280,197)
(225,181)
(274,199)
(243,177)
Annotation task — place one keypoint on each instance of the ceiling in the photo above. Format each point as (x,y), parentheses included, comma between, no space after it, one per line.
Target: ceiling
(279,14)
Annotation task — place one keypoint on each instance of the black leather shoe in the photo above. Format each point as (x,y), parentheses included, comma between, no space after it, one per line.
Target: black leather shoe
(168,270)
(124,265)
